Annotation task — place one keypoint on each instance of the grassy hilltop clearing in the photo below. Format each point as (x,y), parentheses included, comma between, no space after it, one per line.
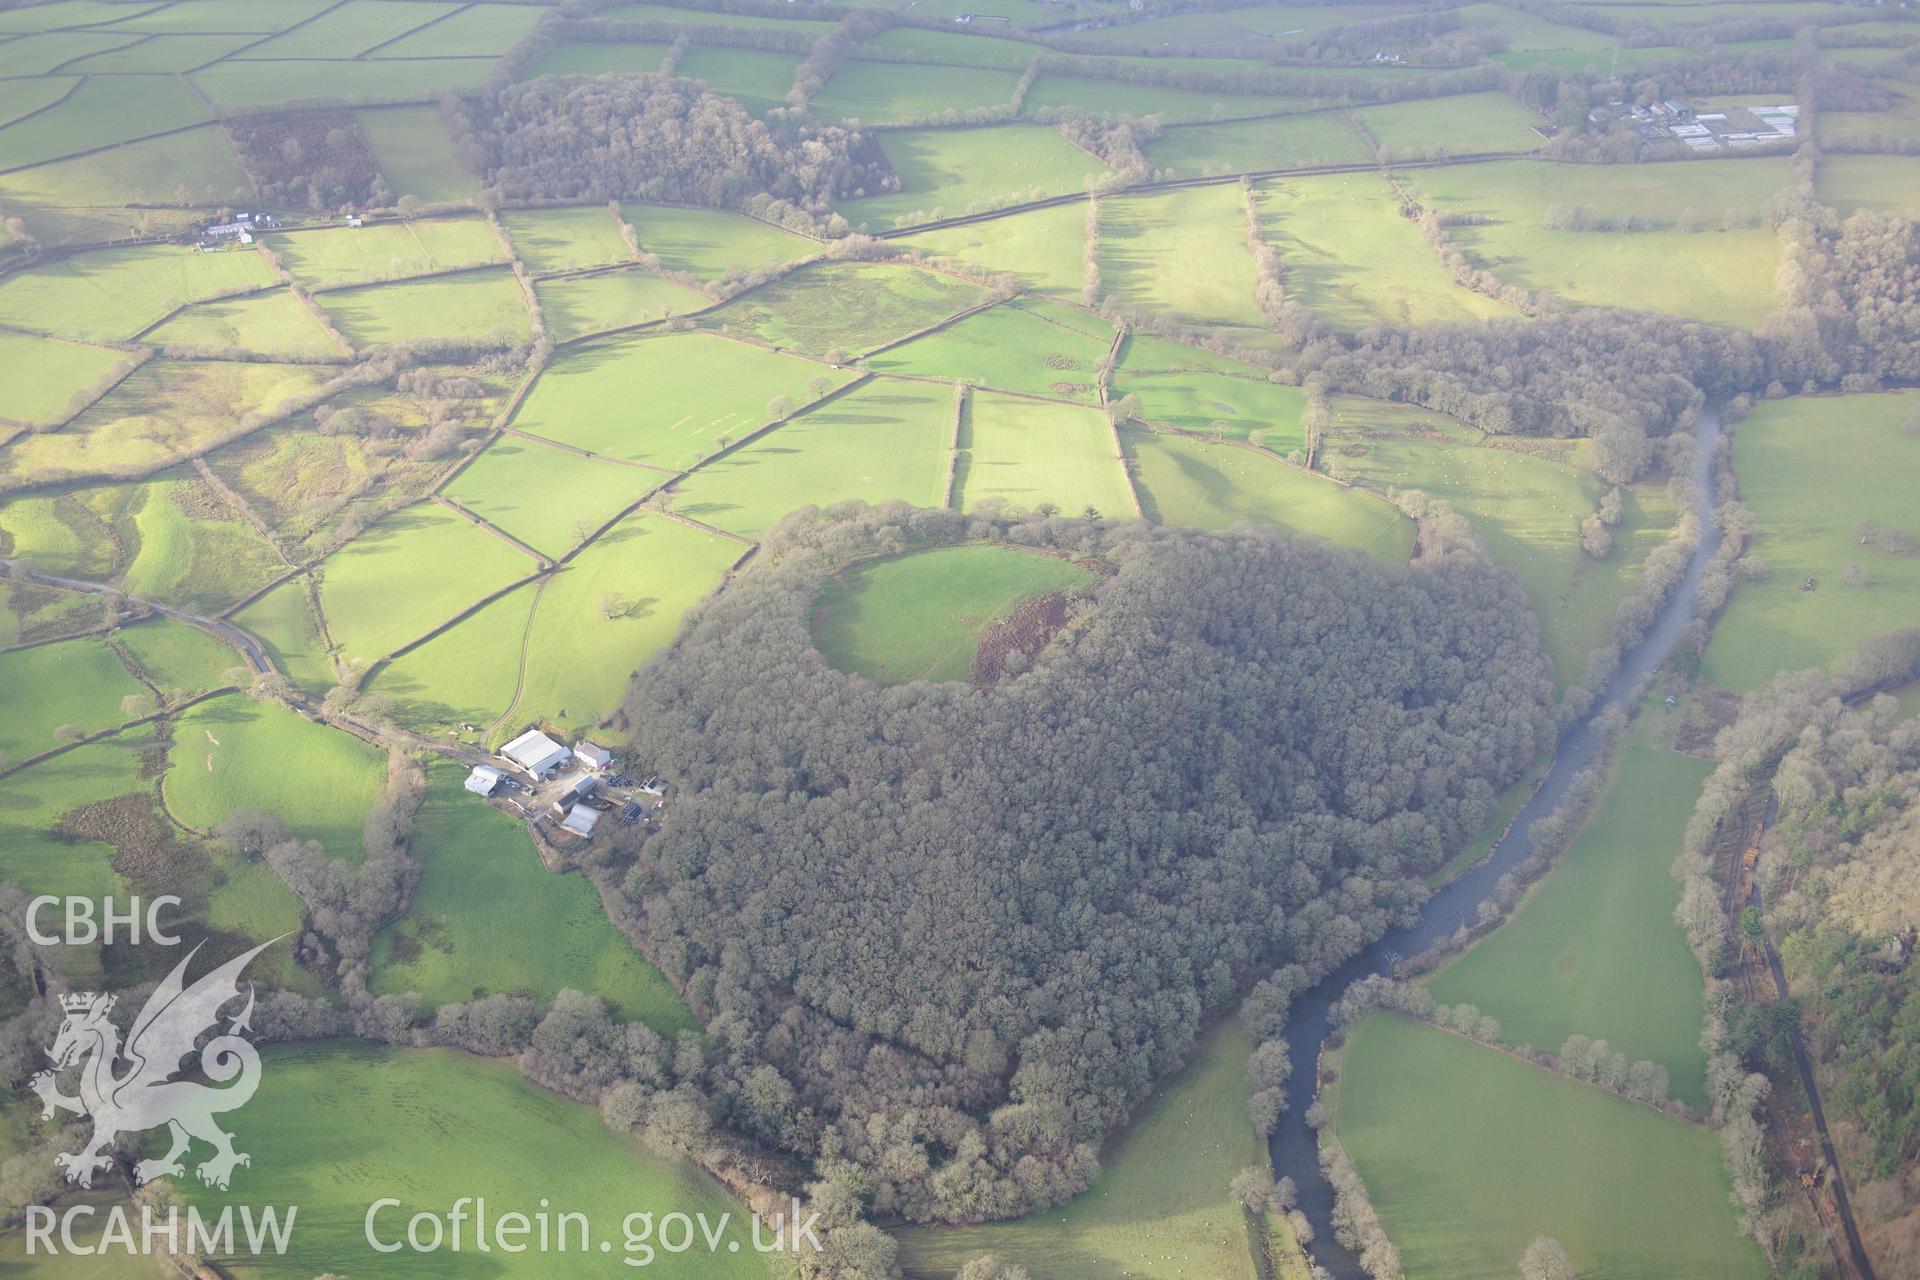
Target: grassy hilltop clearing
(1072,518)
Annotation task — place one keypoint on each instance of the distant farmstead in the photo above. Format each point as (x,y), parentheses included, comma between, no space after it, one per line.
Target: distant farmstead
(535,752)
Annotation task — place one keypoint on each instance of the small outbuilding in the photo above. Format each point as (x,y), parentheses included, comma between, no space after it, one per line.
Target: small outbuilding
(581,787)
(535,752)
(581,821)
(592,755)
(484,780)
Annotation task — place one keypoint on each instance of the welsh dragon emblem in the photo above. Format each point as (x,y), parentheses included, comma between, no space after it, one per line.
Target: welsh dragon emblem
(130,1088)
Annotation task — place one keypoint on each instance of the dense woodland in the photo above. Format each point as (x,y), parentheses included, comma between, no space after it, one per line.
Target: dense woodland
(657,137)
(1847,905)
(971,927)
(1838,894)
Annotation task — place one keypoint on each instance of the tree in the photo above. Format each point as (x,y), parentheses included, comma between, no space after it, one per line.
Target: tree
(1546,1259)
(817,387)
(779,407)
(988,1267)
(1253,1187)
(1596,539)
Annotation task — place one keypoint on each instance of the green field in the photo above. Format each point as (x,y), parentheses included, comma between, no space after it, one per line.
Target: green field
(349,29)
(488,917)
(1468,1154)
(101,111)
(177,657)
(548,498)
(647,572)
(73,685)
(1026,345)
(23,97)
(574,306)
(240,753)
(1041,249)
(1525,508)
(480,31)
(1467,124)
(1283,142)
(944,172)
(954,48)
(708,244)
(209,15)
(269,324)
(712,18)
(1033,452)
(33,801)
(1886,184)
(1811,470)
(885,440)
(1195,390)
(49,374)
(1530,33)
(1594,951)
(184,545)
(114,294)
(1702,249)
(162,413)
(1159,1209)
(237,84)
(667,401)
(920,616)
(895,92)
(758,78)
(1217,485)
(573,59)
(1352,259)
(196,164)
(415,153)
(338,1126)
(33,55)
(335,256)
(484,307)
(1120,97)
(854,306)
(408,574)
(282,621)
(1183,253)
(466,675)
(550,240)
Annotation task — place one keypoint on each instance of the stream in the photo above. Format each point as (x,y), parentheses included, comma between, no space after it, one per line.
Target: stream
(1293,1146)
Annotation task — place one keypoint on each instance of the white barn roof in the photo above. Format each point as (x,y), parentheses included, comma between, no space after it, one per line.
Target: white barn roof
(535,752)
(483,779)
(580,820)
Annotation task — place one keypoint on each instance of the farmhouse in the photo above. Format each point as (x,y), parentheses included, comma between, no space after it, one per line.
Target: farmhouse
(484,780)
(535,752)
(581,820)
(592,755)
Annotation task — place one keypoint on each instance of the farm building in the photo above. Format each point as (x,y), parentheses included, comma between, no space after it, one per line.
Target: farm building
(592,755)
(535,752)
(581,820)
(484,779)
(584,785)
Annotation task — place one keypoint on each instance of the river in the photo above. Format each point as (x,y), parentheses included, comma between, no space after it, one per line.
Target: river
(1295,1152)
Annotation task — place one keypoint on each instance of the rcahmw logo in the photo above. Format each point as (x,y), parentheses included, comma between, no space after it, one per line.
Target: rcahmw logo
(130,1087)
